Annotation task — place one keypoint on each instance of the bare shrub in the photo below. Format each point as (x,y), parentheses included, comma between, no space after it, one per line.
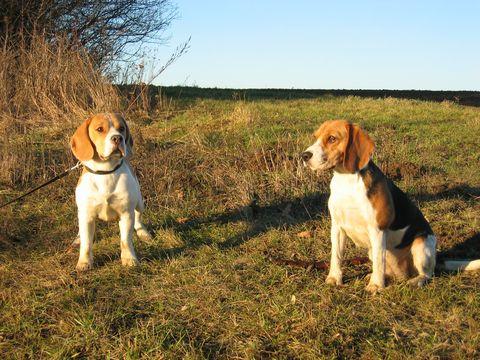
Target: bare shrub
(107,29)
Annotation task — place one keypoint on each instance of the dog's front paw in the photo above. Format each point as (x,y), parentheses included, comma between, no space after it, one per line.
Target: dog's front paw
(130,261)
(84,265)
(332,280)
(73,247)
(373,287)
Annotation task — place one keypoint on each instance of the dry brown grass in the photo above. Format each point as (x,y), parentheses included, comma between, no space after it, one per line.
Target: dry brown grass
(52,84)
(218,197)
(50,89)
(223,186)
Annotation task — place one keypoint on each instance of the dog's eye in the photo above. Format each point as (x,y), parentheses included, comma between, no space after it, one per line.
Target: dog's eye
(121,129)
(99,129)
(331,139)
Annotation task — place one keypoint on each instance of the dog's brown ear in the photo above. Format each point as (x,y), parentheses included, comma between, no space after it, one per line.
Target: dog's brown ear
(81,144)
(359,149)
(128,139)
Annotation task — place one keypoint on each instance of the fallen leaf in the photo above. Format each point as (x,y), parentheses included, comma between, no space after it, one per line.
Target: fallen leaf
(305,234)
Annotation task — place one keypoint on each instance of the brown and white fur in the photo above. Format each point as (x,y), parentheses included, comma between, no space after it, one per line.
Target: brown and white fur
(368,208)
(101,143)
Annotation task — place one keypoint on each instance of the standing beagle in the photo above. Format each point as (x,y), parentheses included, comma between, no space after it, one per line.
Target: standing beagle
(368,208)
(108,188)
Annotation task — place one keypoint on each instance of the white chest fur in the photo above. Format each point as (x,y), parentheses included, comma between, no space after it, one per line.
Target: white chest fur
(108,196)
(350,207)
(353,212)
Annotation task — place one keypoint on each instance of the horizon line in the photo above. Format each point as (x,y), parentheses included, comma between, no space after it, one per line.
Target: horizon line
(309,89)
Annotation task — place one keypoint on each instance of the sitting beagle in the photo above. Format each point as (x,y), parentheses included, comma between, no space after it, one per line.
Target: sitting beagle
(369,209)
(108,188)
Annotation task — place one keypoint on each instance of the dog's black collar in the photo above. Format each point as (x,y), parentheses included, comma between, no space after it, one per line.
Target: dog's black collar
(103,172)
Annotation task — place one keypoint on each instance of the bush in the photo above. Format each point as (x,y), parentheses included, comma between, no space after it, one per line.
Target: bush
(107,29)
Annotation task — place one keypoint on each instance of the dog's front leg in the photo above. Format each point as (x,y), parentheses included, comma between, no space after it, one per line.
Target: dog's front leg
(126,223)
(86,231)
(378,243)
(338,237)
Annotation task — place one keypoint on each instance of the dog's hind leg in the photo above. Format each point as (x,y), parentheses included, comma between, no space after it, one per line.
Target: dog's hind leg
(140,229)
(76,240)
(423,252)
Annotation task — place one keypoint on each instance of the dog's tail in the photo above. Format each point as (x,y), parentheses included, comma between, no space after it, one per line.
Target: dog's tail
(458,265)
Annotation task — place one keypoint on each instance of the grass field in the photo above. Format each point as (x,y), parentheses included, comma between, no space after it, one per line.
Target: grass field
(224,188)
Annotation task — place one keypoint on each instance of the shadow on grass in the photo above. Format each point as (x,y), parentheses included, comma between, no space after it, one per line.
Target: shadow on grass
(468,249)
(290,212)
(287,213)
(281,214)
(261,219)
(451,191)
(19,232)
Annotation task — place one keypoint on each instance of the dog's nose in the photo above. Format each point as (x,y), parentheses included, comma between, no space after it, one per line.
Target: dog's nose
(116,139)
(307,155)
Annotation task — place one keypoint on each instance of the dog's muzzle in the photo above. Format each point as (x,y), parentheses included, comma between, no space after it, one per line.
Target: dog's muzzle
(117,141)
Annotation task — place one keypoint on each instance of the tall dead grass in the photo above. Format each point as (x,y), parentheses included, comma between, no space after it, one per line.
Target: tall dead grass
(53,83)
(46,89)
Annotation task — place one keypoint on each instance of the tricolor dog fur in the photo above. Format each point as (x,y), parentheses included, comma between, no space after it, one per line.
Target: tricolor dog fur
(108,188)
(372,211)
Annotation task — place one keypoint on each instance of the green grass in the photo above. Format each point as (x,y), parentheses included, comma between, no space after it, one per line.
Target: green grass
(205,287)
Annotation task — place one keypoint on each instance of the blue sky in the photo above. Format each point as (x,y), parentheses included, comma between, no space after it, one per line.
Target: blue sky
(327,44)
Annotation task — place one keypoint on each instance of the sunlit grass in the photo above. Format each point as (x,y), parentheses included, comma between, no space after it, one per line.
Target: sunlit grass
(205,287)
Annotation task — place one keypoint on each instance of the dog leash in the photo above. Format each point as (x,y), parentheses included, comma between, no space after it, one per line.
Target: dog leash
(58,177)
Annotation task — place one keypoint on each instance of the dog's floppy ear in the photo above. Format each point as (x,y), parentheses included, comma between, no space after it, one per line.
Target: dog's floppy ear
(81,144)
(128,139)
(359,149)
